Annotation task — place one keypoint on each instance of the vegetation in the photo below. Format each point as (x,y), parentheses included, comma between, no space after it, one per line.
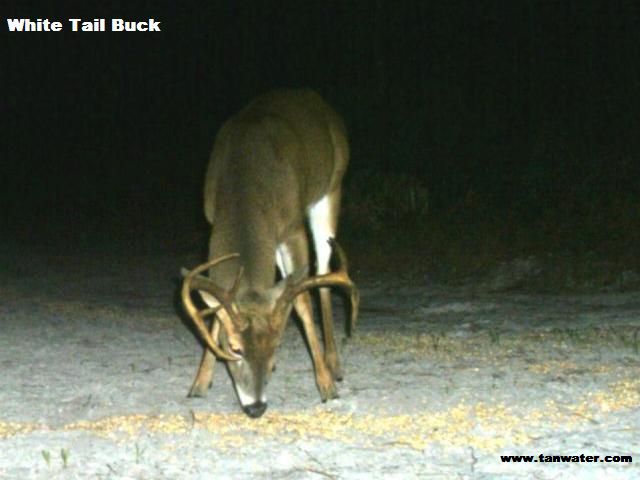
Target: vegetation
(580,229)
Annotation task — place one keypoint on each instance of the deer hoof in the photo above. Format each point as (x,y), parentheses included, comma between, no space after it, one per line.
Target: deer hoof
(198,391)
(336,372)
(333,364)
(328,392)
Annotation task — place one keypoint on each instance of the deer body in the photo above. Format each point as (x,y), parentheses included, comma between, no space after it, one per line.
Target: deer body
(276,166)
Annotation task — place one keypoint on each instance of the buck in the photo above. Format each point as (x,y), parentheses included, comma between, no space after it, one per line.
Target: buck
(275,169)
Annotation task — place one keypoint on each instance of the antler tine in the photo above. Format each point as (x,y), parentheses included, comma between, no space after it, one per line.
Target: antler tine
(223,296)
(340,278)
(355,309)
(210,311)
(353,291)
(219,293)
(236,283)
(199,323)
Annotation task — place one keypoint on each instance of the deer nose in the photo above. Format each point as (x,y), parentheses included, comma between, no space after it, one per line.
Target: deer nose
(255,410)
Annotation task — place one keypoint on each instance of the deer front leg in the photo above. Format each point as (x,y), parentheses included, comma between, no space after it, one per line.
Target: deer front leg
(203,380)
(324,378)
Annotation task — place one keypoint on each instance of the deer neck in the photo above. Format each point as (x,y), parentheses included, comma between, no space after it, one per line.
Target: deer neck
(256,244)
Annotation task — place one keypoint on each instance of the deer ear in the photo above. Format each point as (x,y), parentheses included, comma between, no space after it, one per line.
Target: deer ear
(275,292)
(298,275)
(279,289)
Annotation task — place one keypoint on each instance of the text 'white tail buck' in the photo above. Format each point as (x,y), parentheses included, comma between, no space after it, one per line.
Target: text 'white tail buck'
(276,168)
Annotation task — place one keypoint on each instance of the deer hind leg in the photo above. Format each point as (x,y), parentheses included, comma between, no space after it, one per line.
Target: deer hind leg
(295,254)
(203,380)
(323,220)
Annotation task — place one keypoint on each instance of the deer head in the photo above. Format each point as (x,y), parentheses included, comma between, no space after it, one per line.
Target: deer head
(248,325)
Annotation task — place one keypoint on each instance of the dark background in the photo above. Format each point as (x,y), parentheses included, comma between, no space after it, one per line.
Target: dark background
(486,128)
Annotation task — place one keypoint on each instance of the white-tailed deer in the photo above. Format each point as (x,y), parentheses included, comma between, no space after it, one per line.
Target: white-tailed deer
(276,168)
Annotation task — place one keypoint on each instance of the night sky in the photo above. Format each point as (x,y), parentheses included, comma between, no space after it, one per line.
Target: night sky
(530,106)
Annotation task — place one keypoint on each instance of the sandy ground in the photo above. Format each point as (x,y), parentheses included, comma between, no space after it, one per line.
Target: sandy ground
(440,382)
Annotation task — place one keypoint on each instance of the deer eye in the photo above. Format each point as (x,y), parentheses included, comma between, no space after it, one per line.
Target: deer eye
(235,345)
(237,351)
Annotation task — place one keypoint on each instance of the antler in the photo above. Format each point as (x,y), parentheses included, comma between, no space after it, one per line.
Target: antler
(193,280)
(340,278)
